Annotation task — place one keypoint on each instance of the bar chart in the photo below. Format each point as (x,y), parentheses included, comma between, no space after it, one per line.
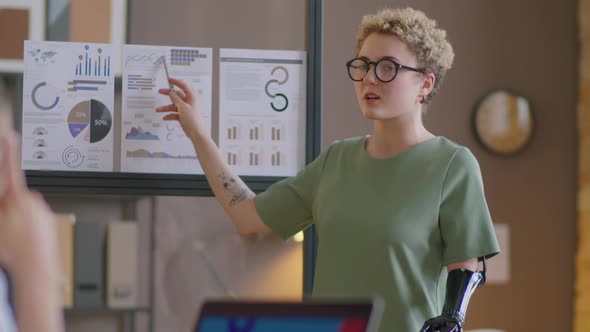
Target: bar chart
(93,64)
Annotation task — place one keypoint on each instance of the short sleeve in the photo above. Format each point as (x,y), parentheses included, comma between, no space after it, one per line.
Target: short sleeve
(465,221)
(286,206)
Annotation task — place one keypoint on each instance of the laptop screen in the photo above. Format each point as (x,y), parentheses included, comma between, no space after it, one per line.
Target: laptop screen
(235,316)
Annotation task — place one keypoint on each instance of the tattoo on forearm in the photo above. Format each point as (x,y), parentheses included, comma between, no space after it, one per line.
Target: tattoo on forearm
(239,193)
(236,198)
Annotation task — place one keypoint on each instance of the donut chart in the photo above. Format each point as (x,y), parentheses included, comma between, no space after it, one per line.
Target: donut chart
(91,120)
(37,103)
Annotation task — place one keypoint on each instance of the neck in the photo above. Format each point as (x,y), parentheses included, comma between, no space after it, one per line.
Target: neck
(396,135)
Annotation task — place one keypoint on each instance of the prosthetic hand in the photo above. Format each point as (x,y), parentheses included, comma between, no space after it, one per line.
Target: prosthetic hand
(460,286)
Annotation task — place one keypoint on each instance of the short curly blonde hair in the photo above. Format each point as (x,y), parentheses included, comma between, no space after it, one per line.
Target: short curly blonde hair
(421,34)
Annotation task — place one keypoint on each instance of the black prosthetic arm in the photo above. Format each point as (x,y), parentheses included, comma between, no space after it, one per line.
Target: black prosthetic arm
(461,284)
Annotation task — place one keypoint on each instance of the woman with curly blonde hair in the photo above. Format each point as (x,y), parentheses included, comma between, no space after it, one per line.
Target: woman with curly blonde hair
(400,213)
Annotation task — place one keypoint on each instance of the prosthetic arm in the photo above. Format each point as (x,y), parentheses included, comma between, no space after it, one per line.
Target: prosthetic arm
(461,284)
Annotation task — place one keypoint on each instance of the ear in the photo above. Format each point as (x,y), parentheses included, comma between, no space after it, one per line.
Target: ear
(427,84)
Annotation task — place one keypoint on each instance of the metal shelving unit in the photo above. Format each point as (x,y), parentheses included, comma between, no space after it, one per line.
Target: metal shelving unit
(142,185)
(128,316)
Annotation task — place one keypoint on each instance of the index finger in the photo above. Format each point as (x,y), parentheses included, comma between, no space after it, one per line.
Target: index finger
(184,87)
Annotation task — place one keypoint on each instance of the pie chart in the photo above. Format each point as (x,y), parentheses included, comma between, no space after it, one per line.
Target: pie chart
(90,120)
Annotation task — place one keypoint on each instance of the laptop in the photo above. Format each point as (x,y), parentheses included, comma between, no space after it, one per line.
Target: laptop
(260,316)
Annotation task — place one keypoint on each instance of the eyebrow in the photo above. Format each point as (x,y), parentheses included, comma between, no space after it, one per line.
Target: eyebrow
(389,57)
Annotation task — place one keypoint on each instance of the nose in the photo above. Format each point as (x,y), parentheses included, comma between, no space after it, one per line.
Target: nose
(370,77)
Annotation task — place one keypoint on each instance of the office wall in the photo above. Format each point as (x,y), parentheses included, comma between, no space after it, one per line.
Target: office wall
(531,47)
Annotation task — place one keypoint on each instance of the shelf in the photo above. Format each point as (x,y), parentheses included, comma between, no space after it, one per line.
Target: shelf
(107,310)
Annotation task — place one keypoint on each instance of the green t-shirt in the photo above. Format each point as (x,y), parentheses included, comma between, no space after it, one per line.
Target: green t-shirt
(387,227)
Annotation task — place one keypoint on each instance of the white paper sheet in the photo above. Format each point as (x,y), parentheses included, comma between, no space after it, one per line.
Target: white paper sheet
(149,144)
(499,266)
(262,111)
(68,103)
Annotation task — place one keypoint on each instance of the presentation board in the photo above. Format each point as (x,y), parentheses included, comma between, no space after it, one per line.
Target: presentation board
(133,170)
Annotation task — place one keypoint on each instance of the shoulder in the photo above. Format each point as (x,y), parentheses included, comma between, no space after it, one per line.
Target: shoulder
(461,163)
(348,143)
(334,153)
(344,147)
(457,154)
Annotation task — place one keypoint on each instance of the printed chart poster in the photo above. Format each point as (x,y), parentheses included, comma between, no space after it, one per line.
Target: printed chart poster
(68,105)
(149,144)
(262,108)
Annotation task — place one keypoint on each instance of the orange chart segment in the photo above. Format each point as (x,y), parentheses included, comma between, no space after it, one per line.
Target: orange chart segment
(79,118)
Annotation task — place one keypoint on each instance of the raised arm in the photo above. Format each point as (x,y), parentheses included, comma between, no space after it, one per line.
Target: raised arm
(230,191)
(28,246)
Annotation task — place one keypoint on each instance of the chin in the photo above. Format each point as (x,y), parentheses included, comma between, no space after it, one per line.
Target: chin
(374,114)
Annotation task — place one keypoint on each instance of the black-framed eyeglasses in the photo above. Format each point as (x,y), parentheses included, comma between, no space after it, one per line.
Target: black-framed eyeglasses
(385,69)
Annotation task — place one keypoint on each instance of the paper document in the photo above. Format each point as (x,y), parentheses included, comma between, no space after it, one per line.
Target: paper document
(149,144)
(68,103)
(262,111)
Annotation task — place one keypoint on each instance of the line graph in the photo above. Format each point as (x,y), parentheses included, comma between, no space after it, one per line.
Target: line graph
(142,60)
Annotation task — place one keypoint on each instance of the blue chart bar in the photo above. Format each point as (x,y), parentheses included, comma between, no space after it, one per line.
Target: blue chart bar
(140,82)
(85,85)
(97,66)
(89,88)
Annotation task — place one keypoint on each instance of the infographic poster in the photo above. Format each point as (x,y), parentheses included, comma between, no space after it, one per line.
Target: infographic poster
(262,111)
(149,144)
(68,105)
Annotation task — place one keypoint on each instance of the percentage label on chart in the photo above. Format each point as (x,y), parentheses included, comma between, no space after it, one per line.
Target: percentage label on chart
(81,114)
(101,123)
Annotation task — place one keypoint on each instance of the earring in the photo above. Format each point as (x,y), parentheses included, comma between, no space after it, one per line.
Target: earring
(422,99)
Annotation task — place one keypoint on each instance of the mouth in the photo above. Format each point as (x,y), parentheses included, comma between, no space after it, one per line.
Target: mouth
(370,96)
